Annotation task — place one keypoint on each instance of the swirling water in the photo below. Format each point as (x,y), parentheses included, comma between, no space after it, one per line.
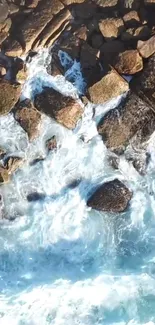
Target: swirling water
(62,263)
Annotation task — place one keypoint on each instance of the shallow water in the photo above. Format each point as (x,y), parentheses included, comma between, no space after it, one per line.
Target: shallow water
(61,262)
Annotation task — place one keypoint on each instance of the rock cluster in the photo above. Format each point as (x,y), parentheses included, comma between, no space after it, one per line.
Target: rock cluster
(110,39)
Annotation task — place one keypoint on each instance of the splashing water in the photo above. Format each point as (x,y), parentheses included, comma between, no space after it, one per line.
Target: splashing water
(61,262)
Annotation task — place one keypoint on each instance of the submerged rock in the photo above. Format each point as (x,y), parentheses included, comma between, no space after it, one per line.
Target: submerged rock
(9,95)
(112,196)
(64,109)
(51,144)
(28,117)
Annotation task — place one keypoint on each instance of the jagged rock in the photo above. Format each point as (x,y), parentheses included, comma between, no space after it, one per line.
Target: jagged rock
(112,196)
(28,117)
(51,144)
(2,153)
(147,48)
(9,95)
(13,8)
(4,175)
(34,25)
(4,11)
(132,122)
(110,50)
(144,84)
(53,30)
(131,19)
(129,62)
(12,164)
(111,28)
(140,33)
(107,3)
(32,3)
(65,110)
(110,86)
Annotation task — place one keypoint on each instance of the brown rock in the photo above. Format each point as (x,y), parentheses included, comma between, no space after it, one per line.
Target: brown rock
(81,33)
(112,196)
(144,84)
(12,164)
(4,11)
(32,3)
(65,110)
(53,30)
(110,50)
(110,86)
(147,48)
(72,46)
(129,62)
(133,121)
(2,71)
(131,19)
(111,28)
(9,95)
(34,25)
(6,25)
(140,33)
(4,176)
(29,118)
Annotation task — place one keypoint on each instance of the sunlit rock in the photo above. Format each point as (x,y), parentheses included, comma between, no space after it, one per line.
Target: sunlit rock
(129,62)
(112,196)
(65,110)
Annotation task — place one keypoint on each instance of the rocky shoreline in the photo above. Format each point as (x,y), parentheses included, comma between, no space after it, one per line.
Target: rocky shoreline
(112,39)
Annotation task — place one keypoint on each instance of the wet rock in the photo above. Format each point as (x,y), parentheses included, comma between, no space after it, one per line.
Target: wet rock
(112,196)
(131,19)
(4,11)
(65,110)
(21,76)
(35,196)
(110,86)
(110,50)
(12,164)
(140,33)
(29,118)
(132,122)
(34,25)
(37,160)
(144,84)
(9,95)
(129,62)
(2,153)
(72,46)
(147,48)
(51,144)
(114,161)
(111,28)
(4,175)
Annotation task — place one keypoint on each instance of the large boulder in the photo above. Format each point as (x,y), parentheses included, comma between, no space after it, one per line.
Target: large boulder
(9,95)
(28,117)
(64,109)
(132,122)
(129,62)
(112,196)
(109,86)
